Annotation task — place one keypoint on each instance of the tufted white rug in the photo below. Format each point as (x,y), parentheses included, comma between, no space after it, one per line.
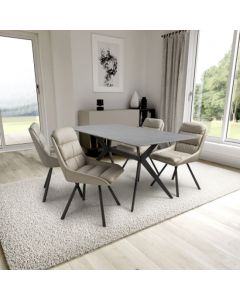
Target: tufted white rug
(33,236)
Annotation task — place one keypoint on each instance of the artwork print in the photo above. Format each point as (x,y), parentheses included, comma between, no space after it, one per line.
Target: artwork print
(107,64)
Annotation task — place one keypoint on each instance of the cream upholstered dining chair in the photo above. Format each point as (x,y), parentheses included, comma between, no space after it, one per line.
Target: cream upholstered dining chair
(157,124)
(183,152)
(46,154)
(78,168)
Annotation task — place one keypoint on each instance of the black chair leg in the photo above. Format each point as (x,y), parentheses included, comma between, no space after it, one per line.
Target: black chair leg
(158,174)
(114,196)
(125,163)
(176,180)
(47,178)
(139,173)
(79,190)
(173,175)
(101,206)
(194,178)
(69,202)
(46,185)
(84,191)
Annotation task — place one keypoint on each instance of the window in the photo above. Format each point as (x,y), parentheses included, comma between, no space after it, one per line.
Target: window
(216,100)
(233,132)
(18,94)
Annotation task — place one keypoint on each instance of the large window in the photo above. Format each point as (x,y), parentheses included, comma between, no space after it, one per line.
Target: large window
(216,99)
(233,132)
(18,93)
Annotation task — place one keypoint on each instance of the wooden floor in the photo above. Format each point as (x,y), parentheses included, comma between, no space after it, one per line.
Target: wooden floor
(204,238)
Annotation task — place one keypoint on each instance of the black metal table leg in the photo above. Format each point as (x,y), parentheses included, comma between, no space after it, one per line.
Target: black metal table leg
(123,166)
(101,206)
(105,149)
(176,180)
(142,159)
(158,174)
(135,186)
(155,176)
(109,142)
(153,165)
(101,155)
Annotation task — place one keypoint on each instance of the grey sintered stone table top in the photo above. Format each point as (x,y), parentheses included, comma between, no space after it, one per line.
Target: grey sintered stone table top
(135,136)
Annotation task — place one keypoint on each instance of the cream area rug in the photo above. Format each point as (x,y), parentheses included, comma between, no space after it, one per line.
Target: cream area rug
(34,237)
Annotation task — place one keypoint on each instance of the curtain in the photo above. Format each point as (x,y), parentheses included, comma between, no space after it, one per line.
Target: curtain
(174,68)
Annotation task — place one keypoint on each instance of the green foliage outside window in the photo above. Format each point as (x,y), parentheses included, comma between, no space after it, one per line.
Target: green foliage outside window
(210,94)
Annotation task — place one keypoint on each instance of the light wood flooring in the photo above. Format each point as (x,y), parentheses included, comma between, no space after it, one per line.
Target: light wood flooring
(204,238)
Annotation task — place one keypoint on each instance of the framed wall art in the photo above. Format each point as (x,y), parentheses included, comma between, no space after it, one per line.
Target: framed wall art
(107,56)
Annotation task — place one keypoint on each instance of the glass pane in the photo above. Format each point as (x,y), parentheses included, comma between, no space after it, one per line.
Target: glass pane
(211,78)
(18,98)
(0,132)
(234,118)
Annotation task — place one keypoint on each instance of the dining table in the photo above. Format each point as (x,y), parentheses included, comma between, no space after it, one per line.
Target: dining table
(137,137)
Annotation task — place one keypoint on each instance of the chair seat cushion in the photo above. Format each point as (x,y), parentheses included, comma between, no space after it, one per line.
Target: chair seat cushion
(171,157)
(106,171)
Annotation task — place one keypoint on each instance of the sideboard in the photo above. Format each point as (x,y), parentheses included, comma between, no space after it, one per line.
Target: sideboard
(94,117)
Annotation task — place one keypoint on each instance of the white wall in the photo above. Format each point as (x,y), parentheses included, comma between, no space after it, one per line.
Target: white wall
(73,78)
(63,77)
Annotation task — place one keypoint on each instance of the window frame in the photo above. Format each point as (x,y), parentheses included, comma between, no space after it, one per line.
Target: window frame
(33,37)
(223,139)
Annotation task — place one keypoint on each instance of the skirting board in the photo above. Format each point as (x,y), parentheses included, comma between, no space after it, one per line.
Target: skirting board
(223,154)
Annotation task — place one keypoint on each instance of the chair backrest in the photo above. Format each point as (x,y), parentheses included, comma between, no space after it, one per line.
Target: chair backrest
(194,145)
(67,147)
(40,143)
(154,123)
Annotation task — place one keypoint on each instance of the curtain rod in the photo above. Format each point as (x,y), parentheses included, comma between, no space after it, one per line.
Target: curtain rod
(172,33)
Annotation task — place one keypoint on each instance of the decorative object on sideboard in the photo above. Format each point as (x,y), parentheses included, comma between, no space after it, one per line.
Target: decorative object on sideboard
(100,104)
(134,103)
(108,61)
(144,103)
(145,112)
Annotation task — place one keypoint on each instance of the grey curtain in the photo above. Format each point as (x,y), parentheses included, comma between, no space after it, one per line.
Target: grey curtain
(174,68)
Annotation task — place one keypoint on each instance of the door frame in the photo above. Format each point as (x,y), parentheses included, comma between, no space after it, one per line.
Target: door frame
(33,37)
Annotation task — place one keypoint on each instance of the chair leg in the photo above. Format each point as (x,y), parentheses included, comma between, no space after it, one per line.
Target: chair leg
(101,206)
(47,178)
(125,163)
(173,175)
(114,196)
(194,178)
(79,190)
(69,202)
(139,173)
(158,174)
(46,185)
(176,181)
(84,191)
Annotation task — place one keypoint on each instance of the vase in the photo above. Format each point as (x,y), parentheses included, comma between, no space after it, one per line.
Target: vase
(134,103)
